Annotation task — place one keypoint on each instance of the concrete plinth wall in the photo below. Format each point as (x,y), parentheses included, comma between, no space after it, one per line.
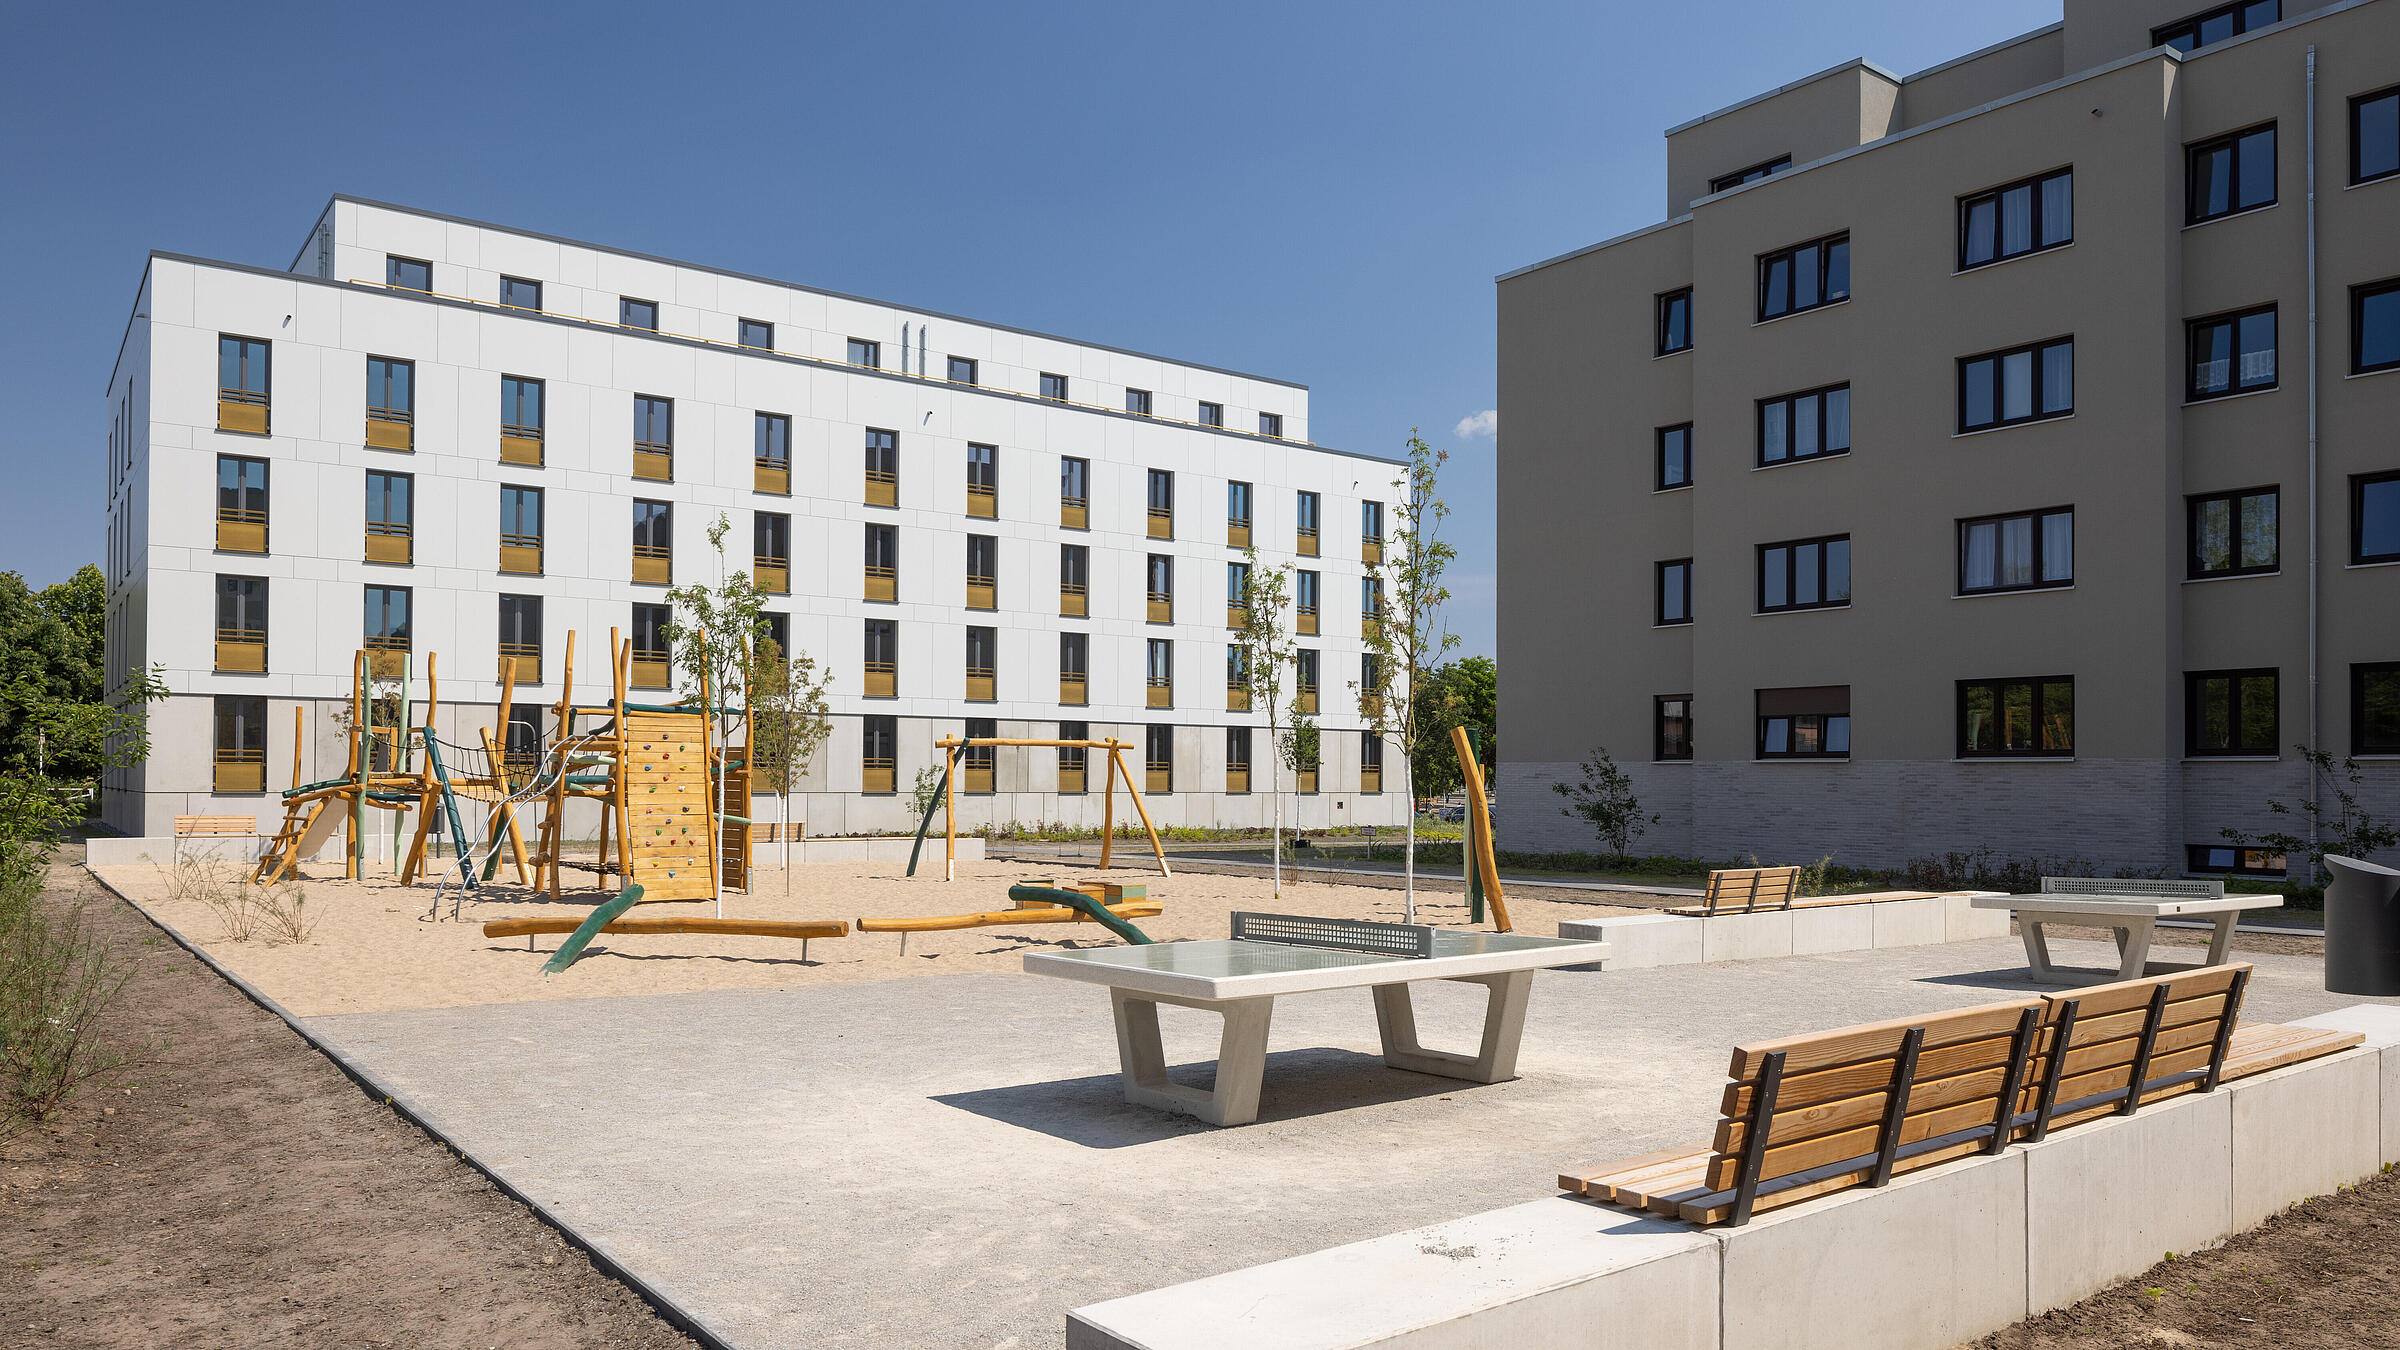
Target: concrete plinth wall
(1675,939)
(1936,1258)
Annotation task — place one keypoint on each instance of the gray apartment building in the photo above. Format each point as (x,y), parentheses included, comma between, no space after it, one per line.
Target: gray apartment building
(2002,456)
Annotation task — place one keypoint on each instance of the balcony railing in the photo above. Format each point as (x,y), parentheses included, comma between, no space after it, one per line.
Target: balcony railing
(878,775)
(240,771)
(1158,775)
(883,583)
(1370,549)
(1306,620)
(651,670)
(1162,606)
(1070,778)
(977,779)
(1308,780)
(1237,696)
(772,575)
(391,429)
(1370,707)
(1370,626)
(1072,689)
(521,554)
(241,531)
(653,564)
(654,461)
(1162,523)
(242,410)
(528,656)
(983,500)
(242,650)
(1237,617)
(1160,691)
(1308,701)
(387,657)
(982,685)
(1075,513)
(1237,778)
(983,592)
(1073,602)
(521,445)
(883,679)
(390,541)
(1237,533)
(1370,778)
(883,487)
(1307,546)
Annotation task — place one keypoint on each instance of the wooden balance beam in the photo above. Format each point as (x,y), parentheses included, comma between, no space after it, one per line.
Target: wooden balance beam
(775,928)
(935,923)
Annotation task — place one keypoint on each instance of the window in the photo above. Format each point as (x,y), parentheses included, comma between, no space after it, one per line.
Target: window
(1237,514)
(1162,504)
(1307,506)
(1671,721)
(1804,276)
(1054,386)
(1305,607)
(1304,679)
(771,552)
(2229,712)
(1370,606)
(2216,25)
(1160,676)
(1675,321)
(1072,758)
(1237,679)
(1806,425)
(1158,759)
(1159,574)
(653,542)
(1675,457)
(1370,761)
(1750,175)
(242,504)
(983,572)
(520,421)
(387,627)
(2234,533)
(2016,219)
(242,624)
(1075,494)
(1074,669)
(883,563)
(391,517)
(2375,136)
(1237,594)
(962,370)
(521,529)
(1237,759)
(977,760)
(241,385)
(1074,580)
(518,293)
(883,468)
(653,438)
(1675,591)
(865,353)
(1137,401)
(983,481)
(391,403)
(653,656)
(2229,174)
(775,629)
(882,658)
(2375,327)
(637,313)
(2375,708)
(521,637)
(1804,723)
(1270,424)
(2375,518)
(1804,574)
(878,754)
(1370,532)
(241,744)
(408,274)
(2234,861)
(2232,354)
(754,333)
(2021,552)
(2000,389)
(771,453)
(2016,718)
(1212,414)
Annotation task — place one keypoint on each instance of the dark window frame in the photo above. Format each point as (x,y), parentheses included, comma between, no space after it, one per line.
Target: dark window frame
(1824,733)
(2359,483)
(866,347)
(408,615)
(2041,546)
(1054,387)
(2166,35)
(1998,688)
(2235,680)
(1661,748)
(1659,436)
(1270,424)
(1824,247)
(972,367)
(628,307)
(1658,593)
(1665,326)
(1138,401)
(1211,414)
(771,439)
(2194,213)
(741,334)
(2359,296)
(1765,168)
(541,398)
(2231,319)
(2359,744)
(2196,859)
(392,265)
(2358,105)
(1790,404)
(2194,504)
(2036,400)
(2040,185)
(1824,598)
(506,282)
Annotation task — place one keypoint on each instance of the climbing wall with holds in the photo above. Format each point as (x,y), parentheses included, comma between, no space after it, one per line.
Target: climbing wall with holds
(667,806)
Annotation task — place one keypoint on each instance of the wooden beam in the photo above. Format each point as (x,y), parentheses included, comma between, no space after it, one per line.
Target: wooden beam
(1131,909)
(776,928)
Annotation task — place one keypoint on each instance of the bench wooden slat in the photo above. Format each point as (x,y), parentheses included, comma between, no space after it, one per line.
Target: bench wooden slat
(210,826)
(1868,1108)
(1598,1182)
(1864,1076)
(2257,1048)
(1879,1040)
(2120,995)
(1750,888)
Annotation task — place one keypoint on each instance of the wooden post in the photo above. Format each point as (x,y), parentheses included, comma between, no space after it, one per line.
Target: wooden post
(712,830)
(1481,856)
(950,811)
(1108,801)
(299,733)
(353,840)
(621,658)
(1135,793)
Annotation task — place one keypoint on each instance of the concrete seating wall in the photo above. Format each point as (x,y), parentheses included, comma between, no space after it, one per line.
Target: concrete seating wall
(1935,1258)
(1673,939)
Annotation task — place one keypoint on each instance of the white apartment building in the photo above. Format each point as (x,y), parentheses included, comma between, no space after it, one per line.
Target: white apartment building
(434,435)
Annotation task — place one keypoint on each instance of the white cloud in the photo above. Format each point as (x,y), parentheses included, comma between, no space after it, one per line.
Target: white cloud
(1482,425)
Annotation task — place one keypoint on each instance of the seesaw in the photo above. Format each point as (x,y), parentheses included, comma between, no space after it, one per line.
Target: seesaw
(608,919)
(1036,904)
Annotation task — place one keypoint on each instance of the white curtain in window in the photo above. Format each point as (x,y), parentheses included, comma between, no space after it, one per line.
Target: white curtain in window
(1982,543)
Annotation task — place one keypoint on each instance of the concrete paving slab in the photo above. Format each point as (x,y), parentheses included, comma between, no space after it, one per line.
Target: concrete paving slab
(948,1161)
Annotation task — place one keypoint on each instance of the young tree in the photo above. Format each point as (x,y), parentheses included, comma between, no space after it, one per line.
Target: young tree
(1605,799)
(1266,648)
(709,630)
(2338,822)
(1463,693)
(789,720)
(1407,634)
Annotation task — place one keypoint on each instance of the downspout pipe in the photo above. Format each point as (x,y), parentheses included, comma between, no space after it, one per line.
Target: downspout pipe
(2314,602)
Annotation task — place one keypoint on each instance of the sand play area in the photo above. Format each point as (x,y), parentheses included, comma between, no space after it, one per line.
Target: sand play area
(373,947)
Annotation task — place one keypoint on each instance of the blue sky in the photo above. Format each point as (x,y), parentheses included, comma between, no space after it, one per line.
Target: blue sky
(1321,192)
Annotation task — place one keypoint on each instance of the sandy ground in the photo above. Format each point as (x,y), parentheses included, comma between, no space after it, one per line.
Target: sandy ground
(373,947)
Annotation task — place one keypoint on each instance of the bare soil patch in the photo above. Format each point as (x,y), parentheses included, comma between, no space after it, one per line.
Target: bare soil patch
(2322,1275)
(233,1188)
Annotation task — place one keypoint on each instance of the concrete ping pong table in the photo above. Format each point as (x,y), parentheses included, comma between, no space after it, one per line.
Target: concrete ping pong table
(2130,908)
(1271,954)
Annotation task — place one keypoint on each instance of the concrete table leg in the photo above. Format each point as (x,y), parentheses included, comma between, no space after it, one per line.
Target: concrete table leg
(2220,942)
(2135,944)
(1503,1031)
(1241,1057)
(2037,950)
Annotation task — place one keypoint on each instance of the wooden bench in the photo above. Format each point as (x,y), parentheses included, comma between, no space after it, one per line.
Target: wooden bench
(1702,911)
(2130,907)
(1743,889)
(773,831)
(213,827)
(1810,1115)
